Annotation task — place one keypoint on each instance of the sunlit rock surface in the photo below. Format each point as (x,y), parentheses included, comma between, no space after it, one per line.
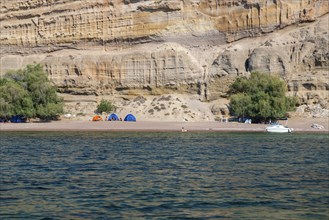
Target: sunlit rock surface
(189,47)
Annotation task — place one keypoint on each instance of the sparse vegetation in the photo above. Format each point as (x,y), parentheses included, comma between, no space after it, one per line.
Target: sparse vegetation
(105,106)
(157,108)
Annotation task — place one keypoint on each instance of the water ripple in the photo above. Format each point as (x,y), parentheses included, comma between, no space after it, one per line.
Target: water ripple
(86,175)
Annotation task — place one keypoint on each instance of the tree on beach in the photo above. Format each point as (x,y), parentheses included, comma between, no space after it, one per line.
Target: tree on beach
(260,97)
(28,92)
(14,100)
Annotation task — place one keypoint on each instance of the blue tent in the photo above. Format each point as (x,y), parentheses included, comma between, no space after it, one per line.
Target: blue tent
(113,117)
(130,117)
(18,119)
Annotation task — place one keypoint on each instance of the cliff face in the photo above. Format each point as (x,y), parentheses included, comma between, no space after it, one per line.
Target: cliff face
(47,25)
(187,46)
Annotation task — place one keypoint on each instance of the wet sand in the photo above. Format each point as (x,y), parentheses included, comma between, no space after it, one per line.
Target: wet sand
(298,124)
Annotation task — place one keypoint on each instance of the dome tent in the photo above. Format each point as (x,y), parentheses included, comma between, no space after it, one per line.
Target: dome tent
(113,117)
(97,118)
(130,117)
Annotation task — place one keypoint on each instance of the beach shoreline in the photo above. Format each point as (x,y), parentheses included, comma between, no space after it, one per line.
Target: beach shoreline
(303,125)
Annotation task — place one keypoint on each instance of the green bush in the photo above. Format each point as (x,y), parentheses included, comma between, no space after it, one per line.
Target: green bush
(28,92)
(261,97)
(105,106)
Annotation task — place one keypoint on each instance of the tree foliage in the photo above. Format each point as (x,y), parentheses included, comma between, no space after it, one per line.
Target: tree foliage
(105,106)
(261,97)
(28,92)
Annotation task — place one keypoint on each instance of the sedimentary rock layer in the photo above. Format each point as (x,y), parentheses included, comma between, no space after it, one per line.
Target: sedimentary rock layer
(181,46)
(33,26)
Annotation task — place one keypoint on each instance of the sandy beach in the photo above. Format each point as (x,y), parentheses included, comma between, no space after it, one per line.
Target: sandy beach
(298,124)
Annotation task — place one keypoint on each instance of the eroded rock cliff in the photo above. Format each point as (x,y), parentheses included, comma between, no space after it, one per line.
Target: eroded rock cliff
(146,47)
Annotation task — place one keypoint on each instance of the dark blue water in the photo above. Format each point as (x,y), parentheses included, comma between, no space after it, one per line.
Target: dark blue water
(53,175)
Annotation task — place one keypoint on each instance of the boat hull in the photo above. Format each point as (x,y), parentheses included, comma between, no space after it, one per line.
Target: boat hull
(278,129)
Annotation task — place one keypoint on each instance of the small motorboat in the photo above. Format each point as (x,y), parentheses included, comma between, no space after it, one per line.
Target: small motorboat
(278,128)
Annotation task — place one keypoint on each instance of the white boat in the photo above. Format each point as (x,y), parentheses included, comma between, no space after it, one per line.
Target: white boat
(277,128)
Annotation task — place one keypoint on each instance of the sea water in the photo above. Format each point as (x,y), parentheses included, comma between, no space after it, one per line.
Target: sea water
(122,175)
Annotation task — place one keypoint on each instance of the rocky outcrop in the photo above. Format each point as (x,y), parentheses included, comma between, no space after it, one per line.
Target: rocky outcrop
(299,55)
(102,73)
(301,58)
(195,47)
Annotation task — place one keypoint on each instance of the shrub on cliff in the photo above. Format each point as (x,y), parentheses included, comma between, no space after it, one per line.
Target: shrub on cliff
(105,106)
(28,92)
(261,97)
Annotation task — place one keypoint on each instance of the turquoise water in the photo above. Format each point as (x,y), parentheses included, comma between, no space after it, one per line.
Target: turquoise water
(96,175)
